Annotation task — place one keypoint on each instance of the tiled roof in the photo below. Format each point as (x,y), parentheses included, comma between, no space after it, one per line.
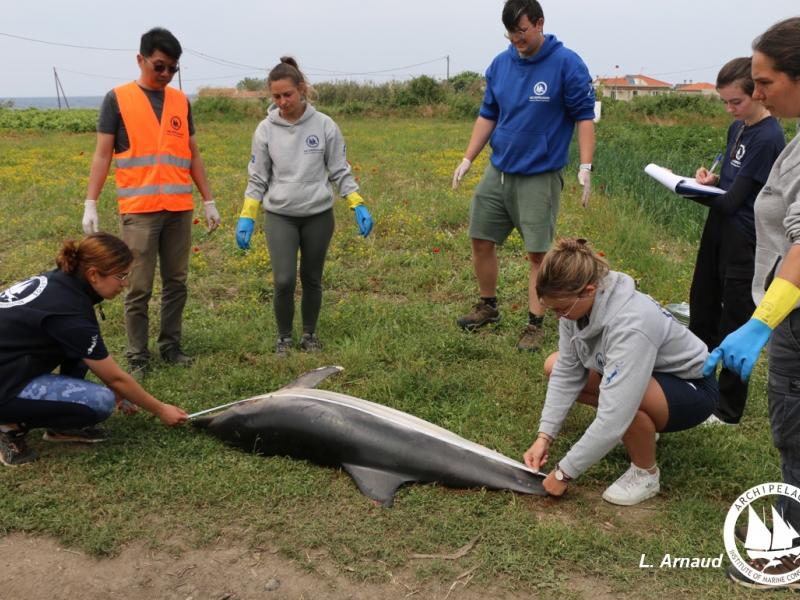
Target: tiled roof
(634,81)
(692,87)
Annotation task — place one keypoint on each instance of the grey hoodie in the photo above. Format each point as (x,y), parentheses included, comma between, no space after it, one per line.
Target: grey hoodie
(629,335)
(777,211)
(292,165)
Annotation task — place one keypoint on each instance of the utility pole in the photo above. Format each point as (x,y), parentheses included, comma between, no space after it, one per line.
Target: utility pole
(448,67)
(60,90)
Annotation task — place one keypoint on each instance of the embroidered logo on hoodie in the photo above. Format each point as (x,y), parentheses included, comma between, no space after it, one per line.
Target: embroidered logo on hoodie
(312,145)
(539,91)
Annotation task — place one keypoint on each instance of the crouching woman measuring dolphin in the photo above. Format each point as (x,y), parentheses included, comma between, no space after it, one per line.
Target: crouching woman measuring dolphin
(48,322)
(622,353)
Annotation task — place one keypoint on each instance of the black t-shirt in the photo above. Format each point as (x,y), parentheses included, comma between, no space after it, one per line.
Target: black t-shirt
(110,119)
(46,321)
(750,152)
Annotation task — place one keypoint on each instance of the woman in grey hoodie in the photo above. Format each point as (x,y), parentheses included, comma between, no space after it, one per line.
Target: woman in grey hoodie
(297,156)
(622,353)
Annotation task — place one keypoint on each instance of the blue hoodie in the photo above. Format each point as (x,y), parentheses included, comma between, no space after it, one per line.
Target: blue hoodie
(536,102)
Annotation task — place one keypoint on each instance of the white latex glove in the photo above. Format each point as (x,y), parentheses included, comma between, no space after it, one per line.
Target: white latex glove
(212,215)
(585,179)
(461,170)
(91,222)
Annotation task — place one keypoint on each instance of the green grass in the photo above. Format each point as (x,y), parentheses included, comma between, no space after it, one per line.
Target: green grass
(389,318)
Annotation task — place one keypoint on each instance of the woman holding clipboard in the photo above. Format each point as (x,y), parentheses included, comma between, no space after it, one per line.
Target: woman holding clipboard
(720,300)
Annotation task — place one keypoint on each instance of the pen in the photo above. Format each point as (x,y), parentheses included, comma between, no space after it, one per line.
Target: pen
(716,162)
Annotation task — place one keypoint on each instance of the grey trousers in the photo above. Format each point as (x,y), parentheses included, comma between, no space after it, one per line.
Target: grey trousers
(784,406)
(164,237)
(285,236)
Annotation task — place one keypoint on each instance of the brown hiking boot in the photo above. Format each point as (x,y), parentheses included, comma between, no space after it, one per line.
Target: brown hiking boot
(530,339)
(482,313)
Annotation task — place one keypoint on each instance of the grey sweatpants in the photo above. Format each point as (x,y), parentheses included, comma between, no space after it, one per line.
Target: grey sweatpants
(285,236)
(784,406)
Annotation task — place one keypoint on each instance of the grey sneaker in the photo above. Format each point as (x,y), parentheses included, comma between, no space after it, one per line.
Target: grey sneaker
(87,435)
(310,342)
(283,345)
(482,313)
(14,450)
(530,339)
(175,356)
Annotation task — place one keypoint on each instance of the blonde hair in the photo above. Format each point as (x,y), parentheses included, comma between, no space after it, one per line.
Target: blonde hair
(568,267)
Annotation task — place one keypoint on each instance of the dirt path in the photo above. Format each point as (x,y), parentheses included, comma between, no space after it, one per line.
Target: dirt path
(37,568)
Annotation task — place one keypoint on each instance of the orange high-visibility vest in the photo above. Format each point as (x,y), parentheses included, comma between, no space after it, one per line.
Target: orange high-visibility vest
(154,173)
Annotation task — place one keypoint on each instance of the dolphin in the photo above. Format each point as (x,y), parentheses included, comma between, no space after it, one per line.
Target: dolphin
(380,448)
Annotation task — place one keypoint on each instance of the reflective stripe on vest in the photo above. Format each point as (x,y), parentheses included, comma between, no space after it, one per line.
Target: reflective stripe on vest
(154,173)
(152,190)
(146,161)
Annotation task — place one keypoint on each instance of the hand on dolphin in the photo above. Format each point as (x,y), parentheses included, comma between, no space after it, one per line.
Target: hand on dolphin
(536,456)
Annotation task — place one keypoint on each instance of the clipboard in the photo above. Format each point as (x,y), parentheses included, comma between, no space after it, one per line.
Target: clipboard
(683,186)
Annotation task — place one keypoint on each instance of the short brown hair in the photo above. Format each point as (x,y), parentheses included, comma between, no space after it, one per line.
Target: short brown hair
(737,71)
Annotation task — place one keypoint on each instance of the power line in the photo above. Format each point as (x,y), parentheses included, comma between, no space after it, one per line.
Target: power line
(19,37)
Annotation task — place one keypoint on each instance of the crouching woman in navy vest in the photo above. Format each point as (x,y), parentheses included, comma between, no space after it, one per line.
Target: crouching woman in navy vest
(48,322)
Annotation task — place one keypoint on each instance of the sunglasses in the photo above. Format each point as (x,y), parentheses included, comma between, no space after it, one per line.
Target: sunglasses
(161,67)
(121,276)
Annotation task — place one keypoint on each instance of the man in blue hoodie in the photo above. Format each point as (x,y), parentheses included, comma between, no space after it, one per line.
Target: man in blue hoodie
(536,92)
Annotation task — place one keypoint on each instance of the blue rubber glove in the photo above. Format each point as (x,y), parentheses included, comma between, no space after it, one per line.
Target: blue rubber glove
(363,220)
(740,349)
(244,231)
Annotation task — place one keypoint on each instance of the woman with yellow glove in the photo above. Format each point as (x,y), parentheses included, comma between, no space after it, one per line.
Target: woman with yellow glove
(776,284)
(297,156)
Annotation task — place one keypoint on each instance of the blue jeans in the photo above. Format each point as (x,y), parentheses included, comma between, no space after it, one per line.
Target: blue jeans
(59,402)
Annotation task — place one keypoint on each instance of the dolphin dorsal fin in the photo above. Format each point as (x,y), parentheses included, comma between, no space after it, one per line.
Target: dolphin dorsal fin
(312,379)
(376,484)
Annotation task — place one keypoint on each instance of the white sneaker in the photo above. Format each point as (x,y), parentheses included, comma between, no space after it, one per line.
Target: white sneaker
(636,485)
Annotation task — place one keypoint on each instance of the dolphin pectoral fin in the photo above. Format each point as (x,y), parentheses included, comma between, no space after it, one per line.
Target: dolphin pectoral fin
(376,484)
(312,379)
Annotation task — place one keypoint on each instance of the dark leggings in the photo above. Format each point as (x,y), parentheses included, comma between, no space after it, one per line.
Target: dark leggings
(285,236)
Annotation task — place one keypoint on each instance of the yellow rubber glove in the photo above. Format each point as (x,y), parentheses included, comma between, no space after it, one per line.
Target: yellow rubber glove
(778,302)
(250,208)
(354,199)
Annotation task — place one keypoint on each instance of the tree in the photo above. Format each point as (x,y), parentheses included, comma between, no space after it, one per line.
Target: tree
(252,84)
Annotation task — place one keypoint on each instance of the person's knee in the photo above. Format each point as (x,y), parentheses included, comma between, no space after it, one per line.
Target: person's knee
(483,248)
(535,258)
(549,363)
(284,284)
(105,403)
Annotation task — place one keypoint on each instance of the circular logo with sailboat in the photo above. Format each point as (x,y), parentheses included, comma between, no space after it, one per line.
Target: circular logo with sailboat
(760,539)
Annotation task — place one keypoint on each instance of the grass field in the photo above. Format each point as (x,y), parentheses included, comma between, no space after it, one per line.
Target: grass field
(389,318)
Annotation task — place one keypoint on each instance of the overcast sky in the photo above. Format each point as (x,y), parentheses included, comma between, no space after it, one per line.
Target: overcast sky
(673,40)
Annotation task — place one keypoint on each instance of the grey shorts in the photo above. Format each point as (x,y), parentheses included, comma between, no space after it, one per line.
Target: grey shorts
(530,203)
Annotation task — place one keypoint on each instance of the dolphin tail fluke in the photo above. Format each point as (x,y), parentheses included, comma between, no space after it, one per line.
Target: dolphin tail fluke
(376,484)
(312,379)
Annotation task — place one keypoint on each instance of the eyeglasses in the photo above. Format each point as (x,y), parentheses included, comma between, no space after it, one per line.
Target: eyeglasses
(560,312)
(161,67)
(122,276)
(517,33)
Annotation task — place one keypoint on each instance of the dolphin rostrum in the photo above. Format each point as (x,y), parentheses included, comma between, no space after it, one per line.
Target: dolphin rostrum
(380,447)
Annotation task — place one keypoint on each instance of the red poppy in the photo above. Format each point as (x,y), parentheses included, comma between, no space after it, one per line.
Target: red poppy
(436,250)
(196,221)
(601,253)
(196,249)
